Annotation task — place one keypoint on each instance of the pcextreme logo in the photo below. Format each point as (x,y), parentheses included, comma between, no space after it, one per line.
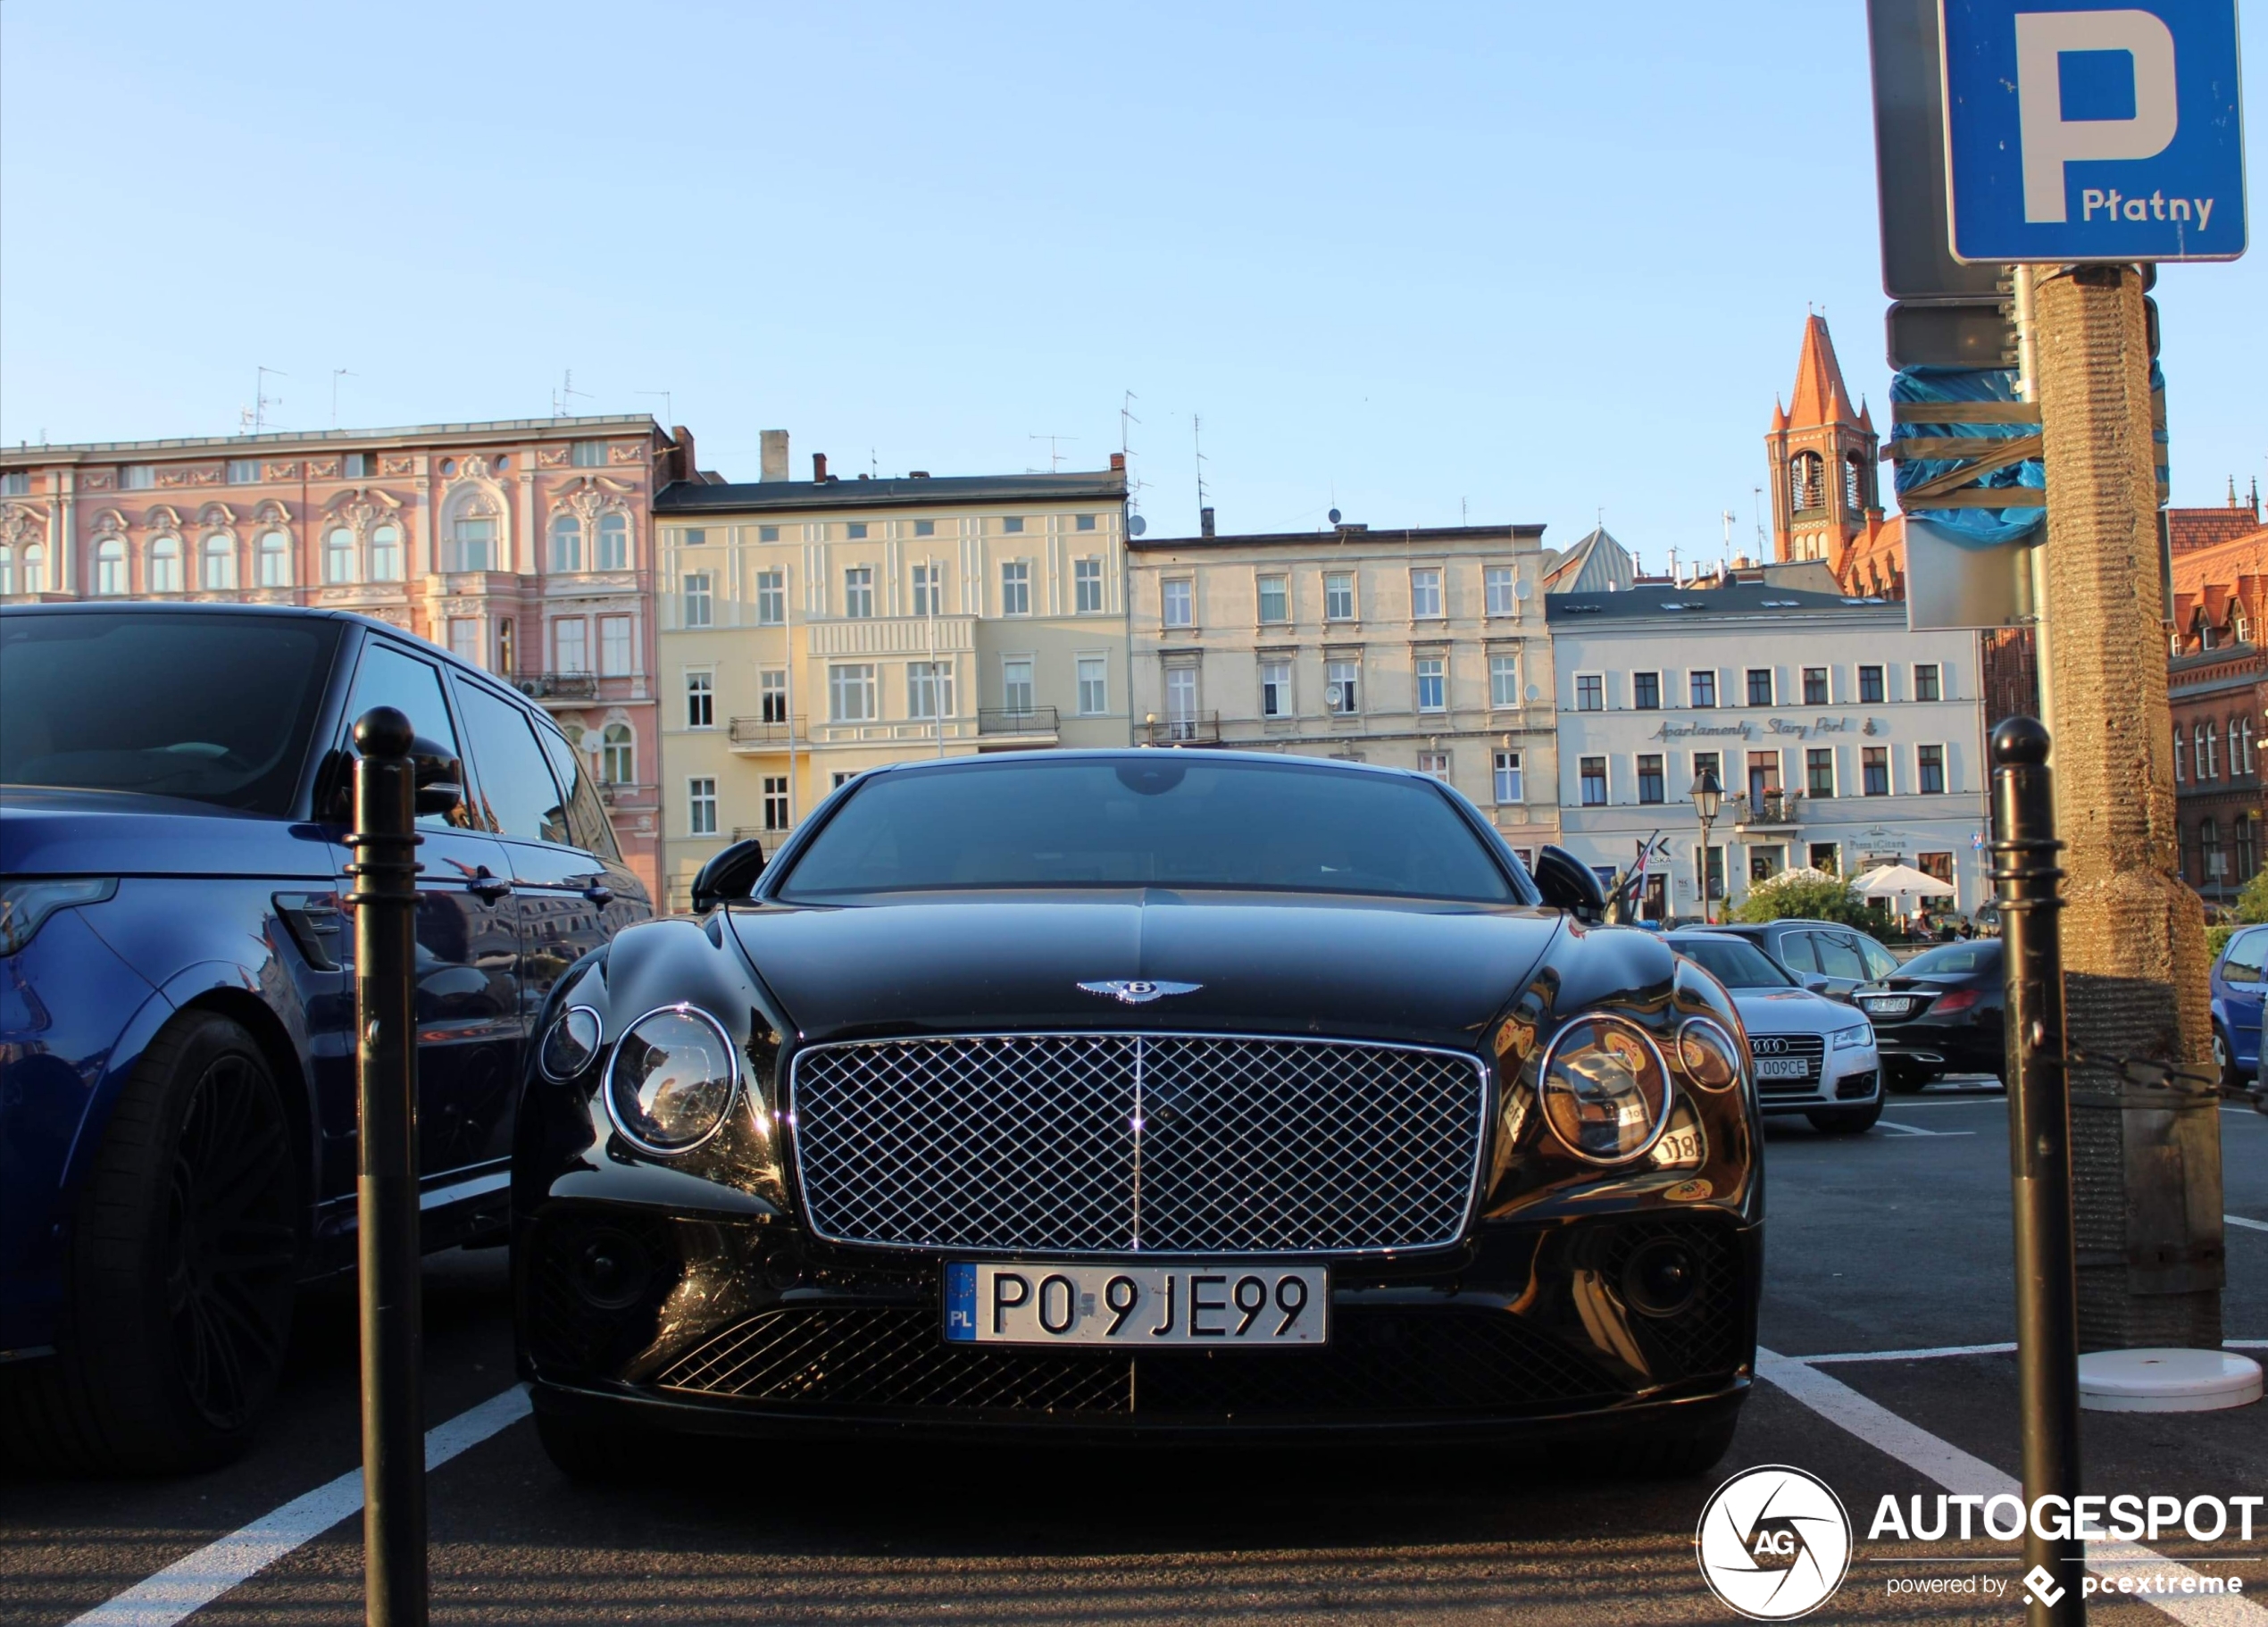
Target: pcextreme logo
(1773,1543)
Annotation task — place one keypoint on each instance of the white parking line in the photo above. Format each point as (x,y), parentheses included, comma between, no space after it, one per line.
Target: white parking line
(2249,1225)
(1932,1352)
(194,1580)
(1960,1473)
(1915,1130)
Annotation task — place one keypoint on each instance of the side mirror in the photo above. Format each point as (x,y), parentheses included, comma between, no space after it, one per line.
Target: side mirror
(441,777)
(1818,985)
(1569,884)
(731,874)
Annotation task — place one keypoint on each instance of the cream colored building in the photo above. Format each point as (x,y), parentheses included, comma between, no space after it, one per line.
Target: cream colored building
(812,629)
(1424,648)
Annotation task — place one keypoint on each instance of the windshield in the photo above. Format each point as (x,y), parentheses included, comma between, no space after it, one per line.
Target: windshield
(212,708)
(1954,960)
(1165,819)
(1734,962)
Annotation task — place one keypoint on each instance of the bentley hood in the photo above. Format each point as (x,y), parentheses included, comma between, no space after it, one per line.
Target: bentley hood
(1429,973)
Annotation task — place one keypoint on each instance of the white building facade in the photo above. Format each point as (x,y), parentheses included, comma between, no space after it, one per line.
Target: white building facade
(1842,741)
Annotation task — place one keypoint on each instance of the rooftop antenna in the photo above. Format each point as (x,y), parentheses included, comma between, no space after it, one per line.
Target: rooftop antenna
(1464,511)
(1054,454)
(260,399)
(1125,417)
(1197,444)
(337,373)
(1674,564)
(669,409)
(560,396)
(1756,493)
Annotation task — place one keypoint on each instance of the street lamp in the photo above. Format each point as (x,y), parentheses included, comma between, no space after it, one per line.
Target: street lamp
(1707,796)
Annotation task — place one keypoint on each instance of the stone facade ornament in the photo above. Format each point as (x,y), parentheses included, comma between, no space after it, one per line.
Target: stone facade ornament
(21,524)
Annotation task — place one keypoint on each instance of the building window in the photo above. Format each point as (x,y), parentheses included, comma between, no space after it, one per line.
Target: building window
(856,530)
(467,640)
(1764,776)
(2180,754)
(1938,865)
(220,571)
(1594,778)
(1504,681)
(1083,522)
(2209,755)
(1590,692)
(929,689)
(2240,747)
(1507,776)
(772,597)
(243,472)
(1712,866)
(615,658)
(1180,609)
(927,601)
(339,554)
(1425,594)
(275,559)
(1930,759)
(7,569)
(1275,599)
(775,802)
(701,808)
(1432,684)
(165,576)
(386,555)
(1701,688)
(1094,686)
(15,483)
(1275,689)
(110,566)
(700,700)
(618,755)
(136,477)
(1016,587)
(566,543)
(35,568)
(1016,683)
(858,592)
(1807,482)
(472,544)
(1342,687)
(1826,858)
(1181,703)
(770,533)
(1645,691)
(1434,763)
(1814,685)
(1710,764)
(1925,681)
(2248,846)
(699,602)
(771,695)
(1818,771)
(569,645)
(1338,598)
(1498,579)
(587,454)
(1652,783)
(1086,583)
(364,465)
(1013,525)
(1760,686)
(1870,686)
(850,694)
(1874,766)
(613,543)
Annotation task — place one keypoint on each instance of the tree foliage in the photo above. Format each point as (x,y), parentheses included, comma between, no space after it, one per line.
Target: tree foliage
(1804,895)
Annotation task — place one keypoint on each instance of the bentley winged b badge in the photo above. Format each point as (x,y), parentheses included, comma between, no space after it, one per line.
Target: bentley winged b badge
(1137,992)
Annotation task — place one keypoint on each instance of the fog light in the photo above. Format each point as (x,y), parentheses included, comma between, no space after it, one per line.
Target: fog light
(613,1270)
(1662,1279)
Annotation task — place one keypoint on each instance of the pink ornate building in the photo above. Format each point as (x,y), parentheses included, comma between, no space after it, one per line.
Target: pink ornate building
(524,545)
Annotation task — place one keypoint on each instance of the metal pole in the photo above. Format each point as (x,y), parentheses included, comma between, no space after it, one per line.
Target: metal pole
(2024,848)
(385,899)
(1705,920)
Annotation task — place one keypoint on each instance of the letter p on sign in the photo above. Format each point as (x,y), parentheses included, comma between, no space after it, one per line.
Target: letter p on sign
(2050,138)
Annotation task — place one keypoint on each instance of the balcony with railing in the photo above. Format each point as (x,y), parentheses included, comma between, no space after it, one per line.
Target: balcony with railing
(558,685)
(1768,811)
(1024,722)
(1194,728)
(765,733)
(627,794)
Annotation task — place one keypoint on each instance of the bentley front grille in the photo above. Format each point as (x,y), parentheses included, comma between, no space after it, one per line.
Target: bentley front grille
(1126,1143)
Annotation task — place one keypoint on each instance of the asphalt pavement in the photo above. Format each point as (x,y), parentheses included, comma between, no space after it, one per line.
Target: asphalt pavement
(1894,1241)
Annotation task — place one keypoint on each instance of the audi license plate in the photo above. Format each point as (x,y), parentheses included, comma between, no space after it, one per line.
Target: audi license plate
(1139,1306)
(1782,1067)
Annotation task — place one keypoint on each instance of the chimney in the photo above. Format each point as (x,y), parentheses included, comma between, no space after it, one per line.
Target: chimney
(819,468)
(775,455)
(1118,463)
(688,465)
(1205,522)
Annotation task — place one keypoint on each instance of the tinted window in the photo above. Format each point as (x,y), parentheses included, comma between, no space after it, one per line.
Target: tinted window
(214,708)
(1954,960)
(2246,950)
(389,676)
(1733,962)
(1838,956)
(1166,820)
(517,795)
(1879,961)
(1795,952)
(585,817)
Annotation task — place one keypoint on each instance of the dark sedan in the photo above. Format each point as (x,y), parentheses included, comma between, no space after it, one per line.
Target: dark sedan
(1939,1013)
(1139,1094)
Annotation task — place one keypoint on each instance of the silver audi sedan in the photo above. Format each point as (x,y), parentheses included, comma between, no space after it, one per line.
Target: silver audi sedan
(1809,1055)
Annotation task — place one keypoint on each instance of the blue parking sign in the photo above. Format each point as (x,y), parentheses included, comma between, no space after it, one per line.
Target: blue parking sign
(2093,130)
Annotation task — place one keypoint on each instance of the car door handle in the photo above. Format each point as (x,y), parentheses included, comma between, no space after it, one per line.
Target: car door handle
(489,887)
(600,895)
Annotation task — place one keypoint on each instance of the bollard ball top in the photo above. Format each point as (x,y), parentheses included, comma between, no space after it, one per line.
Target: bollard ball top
(384,732)
(2020,740)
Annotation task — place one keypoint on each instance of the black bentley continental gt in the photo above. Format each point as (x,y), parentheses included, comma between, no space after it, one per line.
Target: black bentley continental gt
(1140,1094)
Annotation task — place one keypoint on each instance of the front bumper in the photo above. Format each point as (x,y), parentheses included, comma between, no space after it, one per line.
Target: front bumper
(1850,1078)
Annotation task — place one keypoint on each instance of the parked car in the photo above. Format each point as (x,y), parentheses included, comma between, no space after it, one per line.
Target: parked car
(2236,988)
(1939,1013)
(1139,1094)
(1825,956)
(1810,1054)
(177,1004)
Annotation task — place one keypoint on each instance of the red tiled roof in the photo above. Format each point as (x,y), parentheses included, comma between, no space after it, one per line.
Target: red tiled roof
(1821,396)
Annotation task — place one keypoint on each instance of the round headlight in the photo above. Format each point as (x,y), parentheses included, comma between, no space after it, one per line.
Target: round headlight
(1708,1054)
(1606,1089)
(673,1080)
(570,1045)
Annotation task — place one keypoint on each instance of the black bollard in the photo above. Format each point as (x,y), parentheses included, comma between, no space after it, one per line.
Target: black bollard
(2023,849)
(385,842)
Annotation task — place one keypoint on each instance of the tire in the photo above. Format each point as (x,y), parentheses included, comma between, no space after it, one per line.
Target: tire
(595,1454)
(1846,1120)
(2224,1061)
(1674,1455)
(1903,1081)
(179,1271)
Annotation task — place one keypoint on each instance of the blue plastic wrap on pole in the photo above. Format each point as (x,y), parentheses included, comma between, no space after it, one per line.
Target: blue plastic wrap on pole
(1970,528)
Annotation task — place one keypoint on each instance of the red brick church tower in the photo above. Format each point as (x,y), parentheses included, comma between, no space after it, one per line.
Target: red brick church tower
(1825,504)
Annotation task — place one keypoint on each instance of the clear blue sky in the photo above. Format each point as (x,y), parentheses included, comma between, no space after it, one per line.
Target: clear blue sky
(1520,261)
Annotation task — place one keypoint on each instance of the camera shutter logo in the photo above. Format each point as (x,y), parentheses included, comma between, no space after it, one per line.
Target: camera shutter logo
(1773,1543)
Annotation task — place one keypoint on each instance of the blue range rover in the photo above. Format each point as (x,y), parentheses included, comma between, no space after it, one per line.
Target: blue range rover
(177,1064)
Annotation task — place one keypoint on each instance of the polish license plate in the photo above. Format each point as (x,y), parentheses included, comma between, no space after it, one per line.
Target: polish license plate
(1679,1145)
(1136,1306)
(1782,1067)
(1886,1005)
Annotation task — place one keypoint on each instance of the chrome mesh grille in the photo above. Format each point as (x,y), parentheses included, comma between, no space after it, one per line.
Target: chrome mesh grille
(1118,1143)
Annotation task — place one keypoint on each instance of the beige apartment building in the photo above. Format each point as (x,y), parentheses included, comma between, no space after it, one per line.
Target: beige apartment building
(1423,648)
(813,629)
